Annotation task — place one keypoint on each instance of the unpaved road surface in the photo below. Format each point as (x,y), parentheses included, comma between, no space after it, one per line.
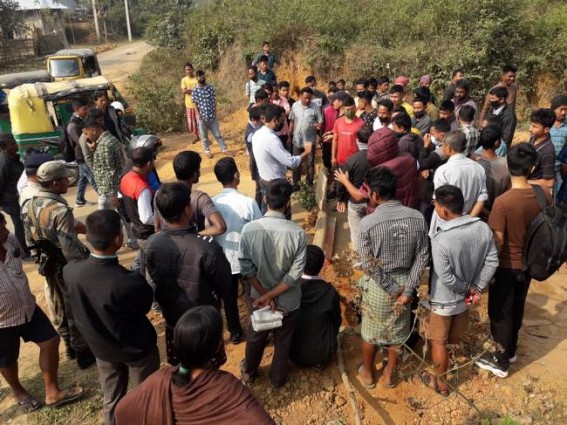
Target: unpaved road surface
(118,64)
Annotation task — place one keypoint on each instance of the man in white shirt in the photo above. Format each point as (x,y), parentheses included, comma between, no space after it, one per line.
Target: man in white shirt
(272,158)
(237,210)
(463,172)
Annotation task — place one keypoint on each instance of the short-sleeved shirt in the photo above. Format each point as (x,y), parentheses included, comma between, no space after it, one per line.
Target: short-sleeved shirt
(251,88)
(330,115)
(346,133)
(304,118)
(513,222)
(545,164)
(205,99)
(369,117)
(203,207)
(188,83)
(17,303)
(497,179)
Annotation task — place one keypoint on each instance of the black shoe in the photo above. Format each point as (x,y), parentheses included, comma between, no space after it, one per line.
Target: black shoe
(491,364)
(296,187)
(85,359)
(70,352)
(236,338)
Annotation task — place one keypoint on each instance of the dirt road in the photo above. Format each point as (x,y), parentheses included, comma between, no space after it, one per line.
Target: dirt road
(118,64)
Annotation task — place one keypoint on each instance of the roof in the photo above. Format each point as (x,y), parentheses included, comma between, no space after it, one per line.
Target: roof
(75,52)
(59,90)
(9,81)
(40,4)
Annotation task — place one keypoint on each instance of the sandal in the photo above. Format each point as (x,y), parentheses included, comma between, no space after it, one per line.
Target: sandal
(367,385)
(426,378)
(70,395)
(28,404)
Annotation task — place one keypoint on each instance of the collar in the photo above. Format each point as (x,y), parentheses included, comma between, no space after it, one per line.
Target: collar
(104,257)
(275,214)
(390,203)
(179,231)
(457,222)
(499,110)
(456,157)
(54,196)
(542,144)
(229,190)
(307,277)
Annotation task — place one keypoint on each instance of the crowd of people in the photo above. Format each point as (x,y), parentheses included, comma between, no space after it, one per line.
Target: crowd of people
(425,185)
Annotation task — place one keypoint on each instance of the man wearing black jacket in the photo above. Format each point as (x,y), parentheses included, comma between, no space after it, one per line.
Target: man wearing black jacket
(110,304)
(315,341)
(500,108)
(188,269)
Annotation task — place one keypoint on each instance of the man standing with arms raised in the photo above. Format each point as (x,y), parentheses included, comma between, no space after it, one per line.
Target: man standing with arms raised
(272,158)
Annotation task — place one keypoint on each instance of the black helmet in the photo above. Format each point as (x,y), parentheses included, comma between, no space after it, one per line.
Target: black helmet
(149,141)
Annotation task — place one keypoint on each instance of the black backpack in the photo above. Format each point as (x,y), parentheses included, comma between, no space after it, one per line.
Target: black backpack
(545,248)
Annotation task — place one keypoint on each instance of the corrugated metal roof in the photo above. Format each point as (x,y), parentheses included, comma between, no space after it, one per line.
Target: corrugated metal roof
(40,4)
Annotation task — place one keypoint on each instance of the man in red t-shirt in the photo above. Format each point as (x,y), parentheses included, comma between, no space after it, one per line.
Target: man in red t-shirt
(344,139)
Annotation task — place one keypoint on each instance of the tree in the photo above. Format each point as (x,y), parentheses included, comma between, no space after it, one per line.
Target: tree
(11,19)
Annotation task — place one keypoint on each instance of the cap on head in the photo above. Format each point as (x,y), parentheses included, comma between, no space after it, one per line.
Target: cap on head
(340,95)
(402,81)
(34,160)
(425,79)
(118,106)
(53,170)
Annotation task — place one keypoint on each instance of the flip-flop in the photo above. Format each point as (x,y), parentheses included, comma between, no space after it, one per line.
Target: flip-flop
(426,379)
(70,395)
(28,404)
(366,385)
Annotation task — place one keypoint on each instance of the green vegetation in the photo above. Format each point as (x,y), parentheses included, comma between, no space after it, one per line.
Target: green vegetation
(342,38)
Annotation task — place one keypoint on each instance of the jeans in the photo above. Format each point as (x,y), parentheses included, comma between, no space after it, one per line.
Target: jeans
(506,303)
(113,378)
(310,166)
(213,125)
(356,212)
(13,210)
(104,203)
(85,176)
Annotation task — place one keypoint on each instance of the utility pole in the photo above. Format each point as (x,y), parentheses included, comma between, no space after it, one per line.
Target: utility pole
(96,21)
(127,20)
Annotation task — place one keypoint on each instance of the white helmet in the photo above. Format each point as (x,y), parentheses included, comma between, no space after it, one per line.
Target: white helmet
(118,106)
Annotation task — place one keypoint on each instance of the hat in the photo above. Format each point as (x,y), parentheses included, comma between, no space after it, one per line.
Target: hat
(340,95)
(118,106)
(53,170)
(425,79)
(557,101)
(34,160)
(402,81)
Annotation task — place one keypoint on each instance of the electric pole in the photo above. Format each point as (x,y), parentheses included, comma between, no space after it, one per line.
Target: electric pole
(96,21)
(127,20)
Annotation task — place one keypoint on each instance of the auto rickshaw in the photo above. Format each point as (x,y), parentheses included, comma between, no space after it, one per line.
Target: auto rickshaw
(73,64)
(39,112)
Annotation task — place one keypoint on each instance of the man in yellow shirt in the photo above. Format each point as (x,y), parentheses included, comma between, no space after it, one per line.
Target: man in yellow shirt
(188,83)
(398,95)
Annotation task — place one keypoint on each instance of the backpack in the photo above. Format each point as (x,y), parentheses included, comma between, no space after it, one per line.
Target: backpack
(545,248)
(66,146)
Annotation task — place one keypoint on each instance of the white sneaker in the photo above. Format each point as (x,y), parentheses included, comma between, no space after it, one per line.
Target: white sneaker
(513,359)
(492,366)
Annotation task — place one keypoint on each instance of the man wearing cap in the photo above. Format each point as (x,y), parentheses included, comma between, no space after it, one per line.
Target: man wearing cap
(558,132)
(52,229)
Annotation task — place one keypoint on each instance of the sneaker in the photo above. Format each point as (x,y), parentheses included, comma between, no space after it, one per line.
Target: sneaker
(208,154)
(84,204)
(156,307)
(491,364)
(132,244)
(513,359)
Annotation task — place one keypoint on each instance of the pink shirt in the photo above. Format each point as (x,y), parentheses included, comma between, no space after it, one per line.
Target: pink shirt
(330,116)
(282,101)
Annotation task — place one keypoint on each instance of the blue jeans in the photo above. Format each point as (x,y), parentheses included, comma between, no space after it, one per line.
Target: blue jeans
(213,125)
(85,176)
(13,210)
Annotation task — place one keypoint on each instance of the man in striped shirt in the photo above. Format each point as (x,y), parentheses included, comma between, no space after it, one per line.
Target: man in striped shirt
(20,317)
(464,261)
